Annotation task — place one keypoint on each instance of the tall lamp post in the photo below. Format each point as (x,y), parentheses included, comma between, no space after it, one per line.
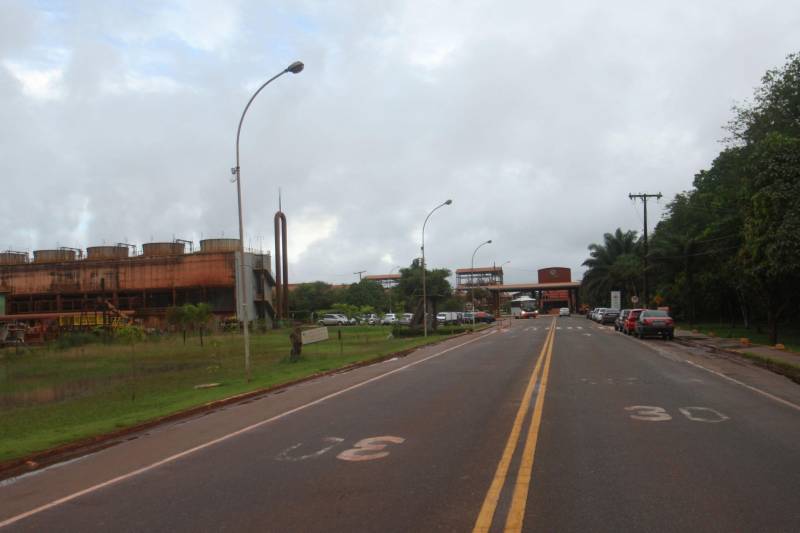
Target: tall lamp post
(472,278)
(424,288)
(294,68)
(390,288)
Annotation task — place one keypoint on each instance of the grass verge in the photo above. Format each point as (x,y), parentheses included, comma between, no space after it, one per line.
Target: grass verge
(49,396)
(790,337)
(779,367)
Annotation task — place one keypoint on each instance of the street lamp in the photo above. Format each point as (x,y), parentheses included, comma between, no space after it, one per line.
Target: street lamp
(472,276)
(390,288)
(424,289)
(294,68)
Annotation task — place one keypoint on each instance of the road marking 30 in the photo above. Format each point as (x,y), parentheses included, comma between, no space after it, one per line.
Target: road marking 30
(486,514)
(285,454)
(653,413)
(369,449)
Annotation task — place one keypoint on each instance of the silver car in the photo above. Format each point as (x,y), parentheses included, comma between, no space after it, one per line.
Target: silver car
(389,319)
(331,319)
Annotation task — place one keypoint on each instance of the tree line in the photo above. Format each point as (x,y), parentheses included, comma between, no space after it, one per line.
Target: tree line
(728,248)
(369,296)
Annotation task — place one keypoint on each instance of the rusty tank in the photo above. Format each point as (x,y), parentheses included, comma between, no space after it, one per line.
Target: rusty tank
(13,258)
(219,245)
(54,256)
(101,253)
(163,249)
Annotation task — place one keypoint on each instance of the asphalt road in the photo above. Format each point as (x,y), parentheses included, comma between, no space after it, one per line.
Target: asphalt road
(574,428)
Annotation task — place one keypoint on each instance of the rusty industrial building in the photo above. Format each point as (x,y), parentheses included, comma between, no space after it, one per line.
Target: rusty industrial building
(141,283)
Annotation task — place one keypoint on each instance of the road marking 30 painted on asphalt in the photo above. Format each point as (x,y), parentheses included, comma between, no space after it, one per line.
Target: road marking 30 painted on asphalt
(364,450)
(653,413)
(285,455)
(369,449)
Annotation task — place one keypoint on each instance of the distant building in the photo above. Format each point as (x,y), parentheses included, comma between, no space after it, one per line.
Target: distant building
(387,281)
(142,285)
(467,278)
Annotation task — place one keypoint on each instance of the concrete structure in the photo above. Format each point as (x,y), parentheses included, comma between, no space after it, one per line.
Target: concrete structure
(387,281)
(554,289)
(467,278)
(146,285)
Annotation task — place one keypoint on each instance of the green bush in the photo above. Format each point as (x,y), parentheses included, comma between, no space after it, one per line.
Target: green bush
(73,339)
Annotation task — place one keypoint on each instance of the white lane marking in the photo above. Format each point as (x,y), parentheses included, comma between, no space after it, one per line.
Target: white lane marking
(745,385)
(587,334)
(223,438)
(369,449)
(569,327)
(558,327)
(284,455)
(718,417)
(580,327)
(649,413)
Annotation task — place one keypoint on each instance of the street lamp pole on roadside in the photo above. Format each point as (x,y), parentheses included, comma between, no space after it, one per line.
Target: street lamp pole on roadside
(390,288)
(294,68)
(472,278)
(424,289)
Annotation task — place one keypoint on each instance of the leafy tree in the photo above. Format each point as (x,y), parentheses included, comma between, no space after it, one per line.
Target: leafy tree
(771,252)
(614,264)
(366,292)
(437,289)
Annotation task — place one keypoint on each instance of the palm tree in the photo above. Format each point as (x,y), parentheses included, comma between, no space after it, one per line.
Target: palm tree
(612,265)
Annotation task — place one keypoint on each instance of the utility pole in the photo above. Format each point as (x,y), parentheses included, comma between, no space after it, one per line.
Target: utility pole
(643,197)
(359,274)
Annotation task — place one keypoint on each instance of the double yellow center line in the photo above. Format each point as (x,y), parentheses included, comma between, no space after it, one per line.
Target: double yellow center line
(519,498)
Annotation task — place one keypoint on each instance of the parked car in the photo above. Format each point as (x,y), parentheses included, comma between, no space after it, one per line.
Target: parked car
(533,313)
(590,314)
(654,322)
(405,320)
(332,319)
(483,316)
(564,311)
(370,319)
(609,316)
(448,317)
(621,319)
(630,321)
(389,319)
(598,315)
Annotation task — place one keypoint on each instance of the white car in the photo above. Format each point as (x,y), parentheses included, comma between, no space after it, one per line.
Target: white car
(331,319)
(564,311)
(389,319)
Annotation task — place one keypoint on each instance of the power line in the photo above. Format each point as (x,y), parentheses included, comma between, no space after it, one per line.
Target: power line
(644,197)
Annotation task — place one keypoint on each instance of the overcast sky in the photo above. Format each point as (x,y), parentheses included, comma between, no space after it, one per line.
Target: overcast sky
(118,122)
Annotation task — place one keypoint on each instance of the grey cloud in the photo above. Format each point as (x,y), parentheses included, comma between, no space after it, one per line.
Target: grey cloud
(536,120)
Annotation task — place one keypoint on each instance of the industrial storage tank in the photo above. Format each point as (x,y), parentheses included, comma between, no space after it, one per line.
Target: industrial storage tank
(163,249)
(96,253)
(53,256)
(219,245)
(13,258)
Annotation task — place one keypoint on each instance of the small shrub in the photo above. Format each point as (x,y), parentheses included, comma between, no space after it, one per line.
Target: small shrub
(74,339)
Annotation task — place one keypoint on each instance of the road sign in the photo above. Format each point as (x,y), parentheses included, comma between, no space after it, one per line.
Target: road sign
(634,299)
(616,299)
(314,335)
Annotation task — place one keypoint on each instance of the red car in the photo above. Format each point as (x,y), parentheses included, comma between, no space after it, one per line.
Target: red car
(629,326)
(529,314)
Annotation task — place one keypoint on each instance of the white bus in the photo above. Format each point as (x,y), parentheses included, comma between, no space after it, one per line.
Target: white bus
(523,303)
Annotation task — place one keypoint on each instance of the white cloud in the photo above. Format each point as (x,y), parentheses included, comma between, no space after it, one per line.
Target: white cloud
(132,82)
(41,84)
(309,229)
(206,25)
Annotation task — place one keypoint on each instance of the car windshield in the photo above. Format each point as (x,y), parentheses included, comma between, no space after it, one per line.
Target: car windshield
(655,314)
